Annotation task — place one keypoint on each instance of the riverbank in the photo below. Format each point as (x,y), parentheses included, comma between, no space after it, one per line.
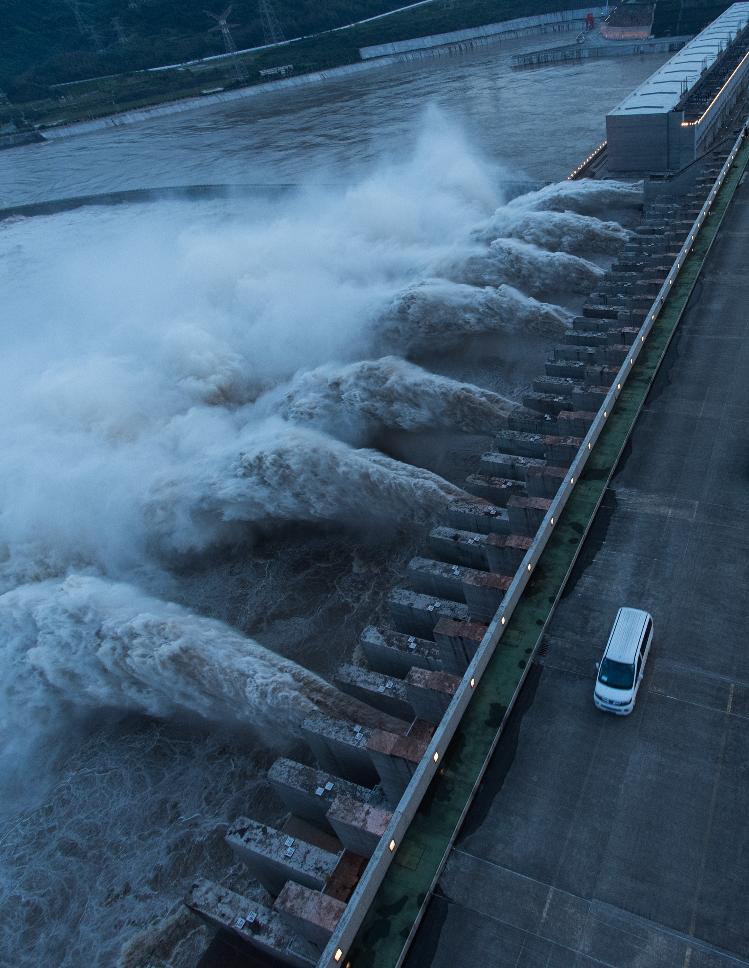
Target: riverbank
(309,58)
(435,45)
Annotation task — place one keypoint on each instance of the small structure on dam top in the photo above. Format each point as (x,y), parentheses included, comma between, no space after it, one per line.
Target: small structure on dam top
(674,116)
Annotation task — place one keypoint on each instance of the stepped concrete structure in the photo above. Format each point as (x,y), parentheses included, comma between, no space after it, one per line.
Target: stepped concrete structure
(352,785)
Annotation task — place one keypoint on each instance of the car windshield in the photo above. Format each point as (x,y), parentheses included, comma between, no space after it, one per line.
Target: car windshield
(616,675)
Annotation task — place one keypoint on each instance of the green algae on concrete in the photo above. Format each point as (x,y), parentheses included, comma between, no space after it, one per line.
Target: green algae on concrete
(399,902)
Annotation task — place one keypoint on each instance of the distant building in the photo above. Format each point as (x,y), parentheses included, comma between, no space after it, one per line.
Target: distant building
(674,116)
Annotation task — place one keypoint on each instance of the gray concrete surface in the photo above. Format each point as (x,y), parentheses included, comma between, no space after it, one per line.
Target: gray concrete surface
(598,841)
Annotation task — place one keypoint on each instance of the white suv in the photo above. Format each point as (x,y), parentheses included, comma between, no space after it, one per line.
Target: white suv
(621,669)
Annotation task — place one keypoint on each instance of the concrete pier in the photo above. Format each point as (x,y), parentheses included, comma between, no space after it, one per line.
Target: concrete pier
(384,692)
(274,857)
(340,748)
(459,547)
(499,464)
(312,914)
(475,514)
(527,513)
(457,642)
(483,592)
(395,653)
(253,924)
(430,693)
(506,551)
(418,614)
(358,825)
(395,758)
(498,490)
(544,481)
(307,792)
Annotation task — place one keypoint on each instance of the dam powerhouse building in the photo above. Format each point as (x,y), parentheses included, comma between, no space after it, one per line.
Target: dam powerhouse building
(674,116)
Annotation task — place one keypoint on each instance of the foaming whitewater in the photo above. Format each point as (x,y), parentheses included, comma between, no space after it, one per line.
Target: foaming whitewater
(586,197)
(356,400)
(183,377)
(532,269)
(85,642)
(558,231)
(281,473)
(438,315)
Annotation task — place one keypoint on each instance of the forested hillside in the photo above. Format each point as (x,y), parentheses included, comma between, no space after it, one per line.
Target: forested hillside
(48,41)
(675,17)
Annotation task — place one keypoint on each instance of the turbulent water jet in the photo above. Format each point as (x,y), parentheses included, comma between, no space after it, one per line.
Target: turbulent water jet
(351,401)
(561,231)
(276,472)
(436,315)
(96,644)
(586,197)
(536,271)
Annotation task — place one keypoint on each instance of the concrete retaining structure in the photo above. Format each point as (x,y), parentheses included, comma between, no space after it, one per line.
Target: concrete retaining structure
(508,29)
(586,51)
(484,557)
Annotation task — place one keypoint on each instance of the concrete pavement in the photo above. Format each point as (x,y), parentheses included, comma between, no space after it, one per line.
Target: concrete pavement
(599,841)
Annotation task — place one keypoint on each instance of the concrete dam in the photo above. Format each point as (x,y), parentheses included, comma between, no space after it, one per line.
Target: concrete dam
(424,825)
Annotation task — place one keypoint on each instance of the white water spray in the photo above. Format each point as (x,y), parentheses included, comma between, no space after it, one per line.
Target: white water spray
(351,401)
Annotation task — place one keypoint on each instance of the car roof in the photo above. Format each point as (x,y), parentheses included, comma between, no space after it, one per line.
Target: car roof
(626,633)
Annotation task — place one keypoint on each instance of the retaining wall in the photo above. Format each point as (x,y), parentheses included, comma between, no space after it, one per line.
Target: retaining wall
(577,52)
(507,29)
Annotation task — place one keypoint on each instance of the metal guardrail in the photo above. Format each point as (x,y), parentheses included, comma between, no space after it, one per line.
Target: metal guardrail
(353,917)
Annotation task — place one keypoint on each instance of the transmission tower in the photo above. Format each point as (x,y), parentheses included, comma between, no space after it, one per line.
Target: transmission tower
(121,35)
(224,25)
(272,31)
(86,29)
(222,21)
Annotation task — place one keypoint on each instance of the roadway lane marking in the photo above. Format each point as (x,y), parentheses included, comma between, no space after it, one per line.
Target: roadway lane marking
(655,691)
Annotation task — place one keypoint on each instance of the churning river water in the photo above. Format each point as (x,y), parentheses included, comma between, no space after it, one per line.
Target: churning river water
(226,424)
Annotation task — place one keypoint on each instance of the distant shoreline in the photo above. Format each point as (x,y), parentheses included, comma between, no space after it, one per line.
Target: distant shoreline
(437,45)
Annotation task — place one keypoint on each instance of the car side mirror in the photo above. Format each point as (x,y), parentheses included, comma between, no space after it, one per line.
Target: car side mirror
(598,665)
